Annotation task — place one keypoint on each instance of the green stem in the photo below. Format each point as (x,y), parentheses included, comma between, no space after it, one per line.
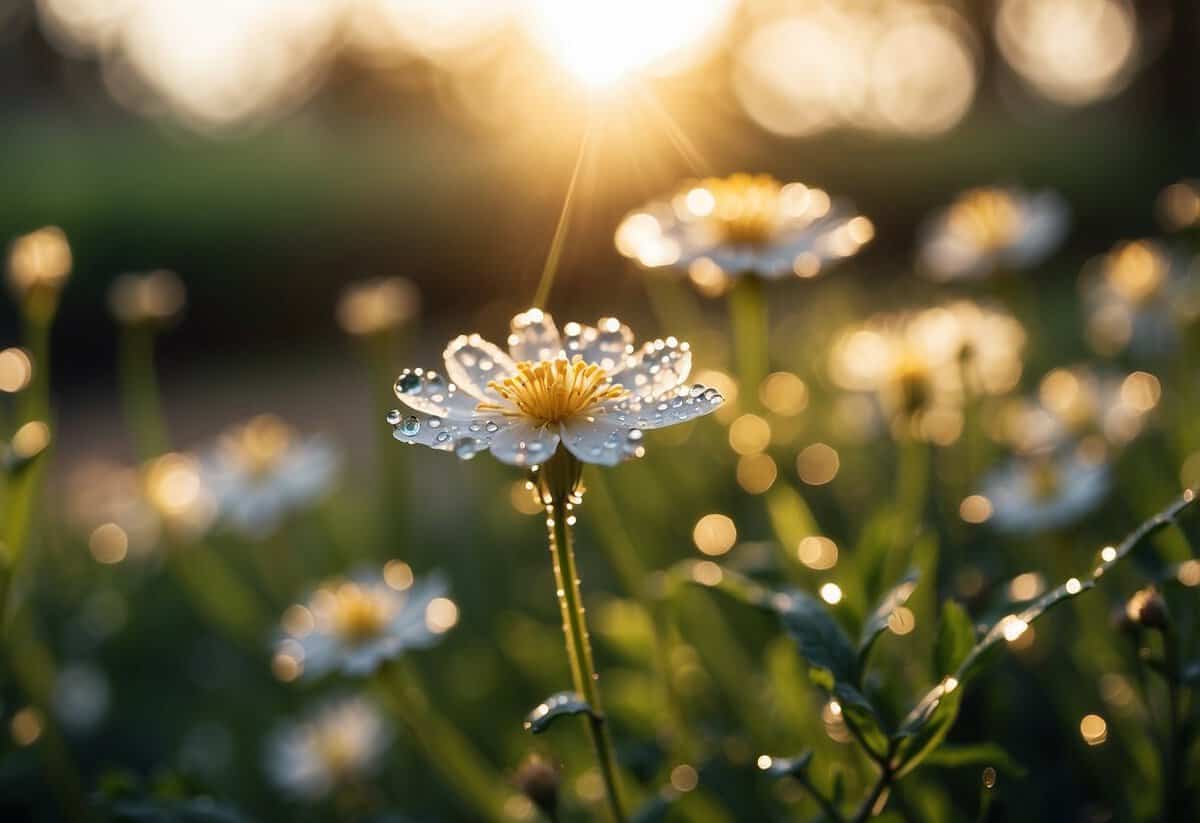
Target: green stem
(391,514)
(447,750)
(559,480)
(866,809)
(748,317)
(139,391)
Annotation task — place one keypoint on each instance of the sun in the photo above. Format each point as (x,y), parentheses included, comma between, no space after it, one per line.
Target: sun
(604,43)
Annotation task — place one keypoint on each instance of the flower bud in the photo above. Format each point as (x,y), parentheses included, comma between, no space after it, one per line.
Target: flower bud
(538,780)
(1148,608)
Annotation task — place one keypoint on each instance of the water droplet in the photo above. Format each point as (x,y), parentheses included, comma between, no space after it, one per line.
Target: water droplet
(467,447)
(435,423)
(410,426)
(408,383)
(492,427)
(393,417)
(442,437)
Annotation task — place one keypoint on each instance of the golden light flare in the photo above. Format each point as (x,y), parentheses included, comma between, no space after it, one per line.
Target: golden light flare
(1093,729)
(714,534)
(901,621)
(398,575)
(831,593)
(904,68)
(26,726)
(684,778)
(108,543)
(16,370)
(749,434)
(975,509)
(756,473)
(818,464)
(1072,52)
(30,440)
(441,615)
(784,394)
(377,306)
(817,552)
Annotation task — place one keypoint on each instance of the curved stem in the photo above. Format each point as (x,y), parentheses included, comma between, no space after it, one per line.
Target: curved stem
(559,480)
(866,809)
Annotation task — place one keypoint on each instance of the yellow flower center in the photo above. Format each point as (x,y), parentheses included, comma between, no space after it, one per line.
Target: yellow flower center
(744,207)
(911,384)
(338,749)
(260,445)
(988,218)
(1136,271)
(358,615)
(553,390)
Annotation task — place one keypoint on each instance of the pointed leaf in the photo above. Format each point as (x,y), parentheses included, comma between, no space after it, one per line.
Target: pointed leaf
(788,766)
(955,637)
(877,622)
(976,754)
(553,707)
(821,640)
(860,716)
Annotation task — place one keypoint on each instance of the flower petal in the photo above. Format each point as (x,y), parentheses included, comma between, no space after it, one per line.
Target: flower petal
(520,444)
(607,344)
(676,406)
(534,337)
(429,392)
(660,365)
(473,362)
(601,439)
(465,437)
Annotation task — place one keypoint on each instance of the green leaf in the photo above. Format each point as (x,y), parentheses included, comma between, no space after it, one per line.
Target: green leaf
(955,637)
(877,621)
(789,766)
(859,715)
(553,707)
(976,754)
(821,640)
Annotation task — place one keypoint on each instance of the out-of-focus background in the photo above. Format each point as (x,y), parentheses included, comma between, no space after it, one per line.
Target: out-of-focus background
(272,152)
(276,149)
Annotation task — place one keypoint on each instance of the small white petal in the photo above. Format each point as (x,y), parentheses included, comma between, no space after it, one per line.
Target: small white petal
(534,337)
(521,444)
(607,344)
(430,392)
(472,362)
(600,440)
(676,406)
(658,367)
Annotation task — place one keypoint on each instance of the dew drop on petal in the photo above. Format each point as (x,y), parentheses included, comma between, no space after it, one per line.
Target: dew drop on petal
(410,426)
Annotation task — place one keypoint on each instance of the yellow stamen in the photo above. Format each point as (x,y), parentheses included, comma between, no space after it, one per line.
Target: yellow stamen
(989,218)
(357,614)
(553,390)
(260,445)
(745,207)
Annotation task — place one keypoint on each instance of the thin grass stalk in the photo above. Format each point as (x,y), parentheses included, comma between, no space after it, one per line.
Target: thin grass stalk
(748,318)
(140,394)
(401,689)
(559,481)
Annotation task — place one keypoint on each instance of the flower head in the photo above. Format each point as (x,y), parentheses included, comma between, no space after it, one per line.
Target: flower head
(588,389)
(39,261)
(921,365)
(991,229)
(1137,297)
(263,470)
(355,625)
(339,743)
(375,306)
(1035,493)
(743,224)
(153,298)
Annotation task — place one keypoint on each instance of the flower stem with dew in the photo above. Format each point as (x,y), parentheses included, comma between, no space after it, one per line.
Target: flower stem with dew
(400,688)
(559,483)
(748,317)
(139,390)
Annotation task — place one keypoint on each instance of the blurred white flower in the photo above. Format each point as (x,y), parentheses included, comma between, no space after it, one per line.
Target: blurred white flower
(1037,493)
(354,626)
(990,230)
(263,470)
(81,696)
(375,306)
(154,298)
(588,389)
(721,228)
(340,743)
(1137,297)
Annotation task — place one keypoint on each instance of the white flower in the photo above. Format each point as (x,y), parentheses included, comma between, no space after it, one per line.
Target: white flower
(986,230)
(743,224)
(340,743)
(1036,493)
(1138,296)
(262,471)
(588,388)
(353,626)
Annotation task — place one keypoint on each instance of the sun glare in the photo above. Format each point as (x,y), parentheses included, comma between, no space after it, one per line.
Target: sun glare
(602,44)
